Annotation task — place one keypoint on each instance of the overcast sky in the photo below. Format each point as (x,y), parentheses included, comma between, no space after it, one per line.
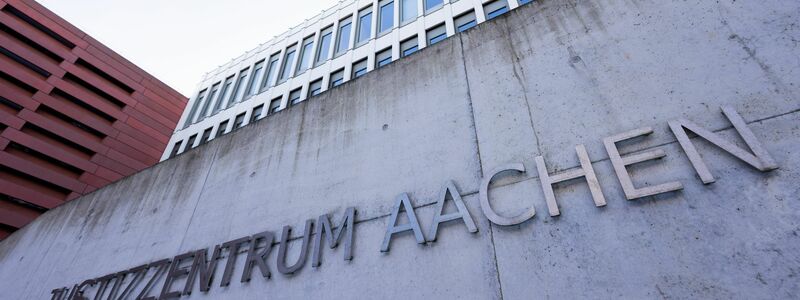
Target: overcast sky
(180,40)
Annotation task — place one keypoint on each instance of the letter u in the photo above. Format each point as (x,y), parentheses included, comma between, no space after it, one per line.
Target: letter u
(284,247)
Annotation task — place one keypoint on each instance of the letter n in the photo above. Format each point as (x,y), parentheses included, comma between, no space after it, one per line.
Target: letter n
(759,158)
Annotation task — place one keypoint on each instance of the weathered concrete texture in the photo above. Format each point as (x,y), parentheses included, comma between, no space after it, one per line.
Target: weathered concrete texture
(537,81)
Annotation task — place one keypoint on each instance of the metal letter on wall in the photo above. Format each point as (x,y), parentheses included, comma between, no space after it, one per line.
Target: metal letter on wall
(233,251)
(324,228)
(138,273)
(103,283)
(493,216)
(620,163)
(259,259)
(585,170)
(175,272)
(160,267)
(284,247)
(463,213)
(759,159)
(402,202)
(204,269)
(78,291)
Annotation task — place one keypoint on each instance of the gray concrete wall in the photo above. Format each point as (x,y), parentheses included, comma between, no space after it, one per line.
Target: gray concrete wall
(537,81)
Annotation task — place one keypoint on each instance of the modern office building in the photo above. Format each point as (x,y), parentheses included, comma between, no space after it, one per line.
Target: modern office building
(595,149)
(338,45)
(74,115)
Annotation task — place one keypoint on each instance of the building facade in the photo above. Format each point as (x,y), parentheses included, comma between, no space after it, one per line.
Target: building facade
(74,115)
(545,153)
(340,44)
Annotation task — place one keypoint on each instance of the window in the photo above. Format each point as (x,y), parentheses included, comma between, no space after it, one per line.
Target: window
(409,46)
(206,136)
(337,78)
(222,127)
(431,5)
(274,106)
(193,111)
(238,122)
(343,42)
(385,16)
(314,88)
(286,71)
(408,11)
(383,58)
(272,69)
(465,21)
(364,25)
(323,52)
(255,80)
(436,34)
(359,68)
(175,149)
(224,94)
(521,2)
(207,104)
(190,142)
(238,89)
(305,55)
(294,96)
(256,113)
(495,9)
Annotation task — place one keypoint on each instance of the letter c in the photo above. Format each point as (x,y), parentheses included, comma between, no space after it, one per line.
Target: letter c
(487,208)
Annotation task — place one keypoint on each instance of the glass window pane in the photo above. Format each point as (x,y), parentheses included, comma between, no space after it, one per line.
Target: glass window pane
(521,2)
(222,127)
(431,4)
(315,88)
(256,113)
(190,142)
(337,78)
(344,38)
(195,106)
(255,80)
(224,94)
(286,72)
(465,21)
(238,89)
(323,53)
(409,46)
(305,55)
(383,58)
(360,68)
(239,121)
(364,27)
(495,9)
(387,17)
(272,69)
(207,104)
(294,96)
(274,105)
(408,10)
(436,34)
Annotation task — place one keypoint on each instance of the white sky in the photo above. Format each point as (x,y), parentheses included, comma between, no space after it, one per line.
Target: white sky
(178,41)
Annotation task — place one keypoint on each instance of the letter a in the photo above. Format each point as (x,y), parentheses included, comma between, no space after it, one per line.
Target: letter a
(462,213)
(402,202)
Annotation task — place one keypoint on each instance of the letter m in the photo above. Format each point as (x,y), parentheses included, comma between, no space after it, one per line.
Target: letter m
(344,230)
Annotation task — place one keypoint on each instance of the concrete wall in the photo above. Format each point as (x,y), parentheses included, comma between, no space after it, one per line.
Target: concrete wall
(536,82)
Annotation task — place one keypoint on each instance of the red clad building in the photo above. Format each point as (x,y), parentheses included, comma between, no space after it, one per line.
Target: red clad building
(74,115)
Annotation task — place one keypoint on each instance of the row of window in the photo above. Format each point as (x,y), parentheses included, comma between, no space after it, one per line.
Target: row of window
(270,72)
(235,89)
